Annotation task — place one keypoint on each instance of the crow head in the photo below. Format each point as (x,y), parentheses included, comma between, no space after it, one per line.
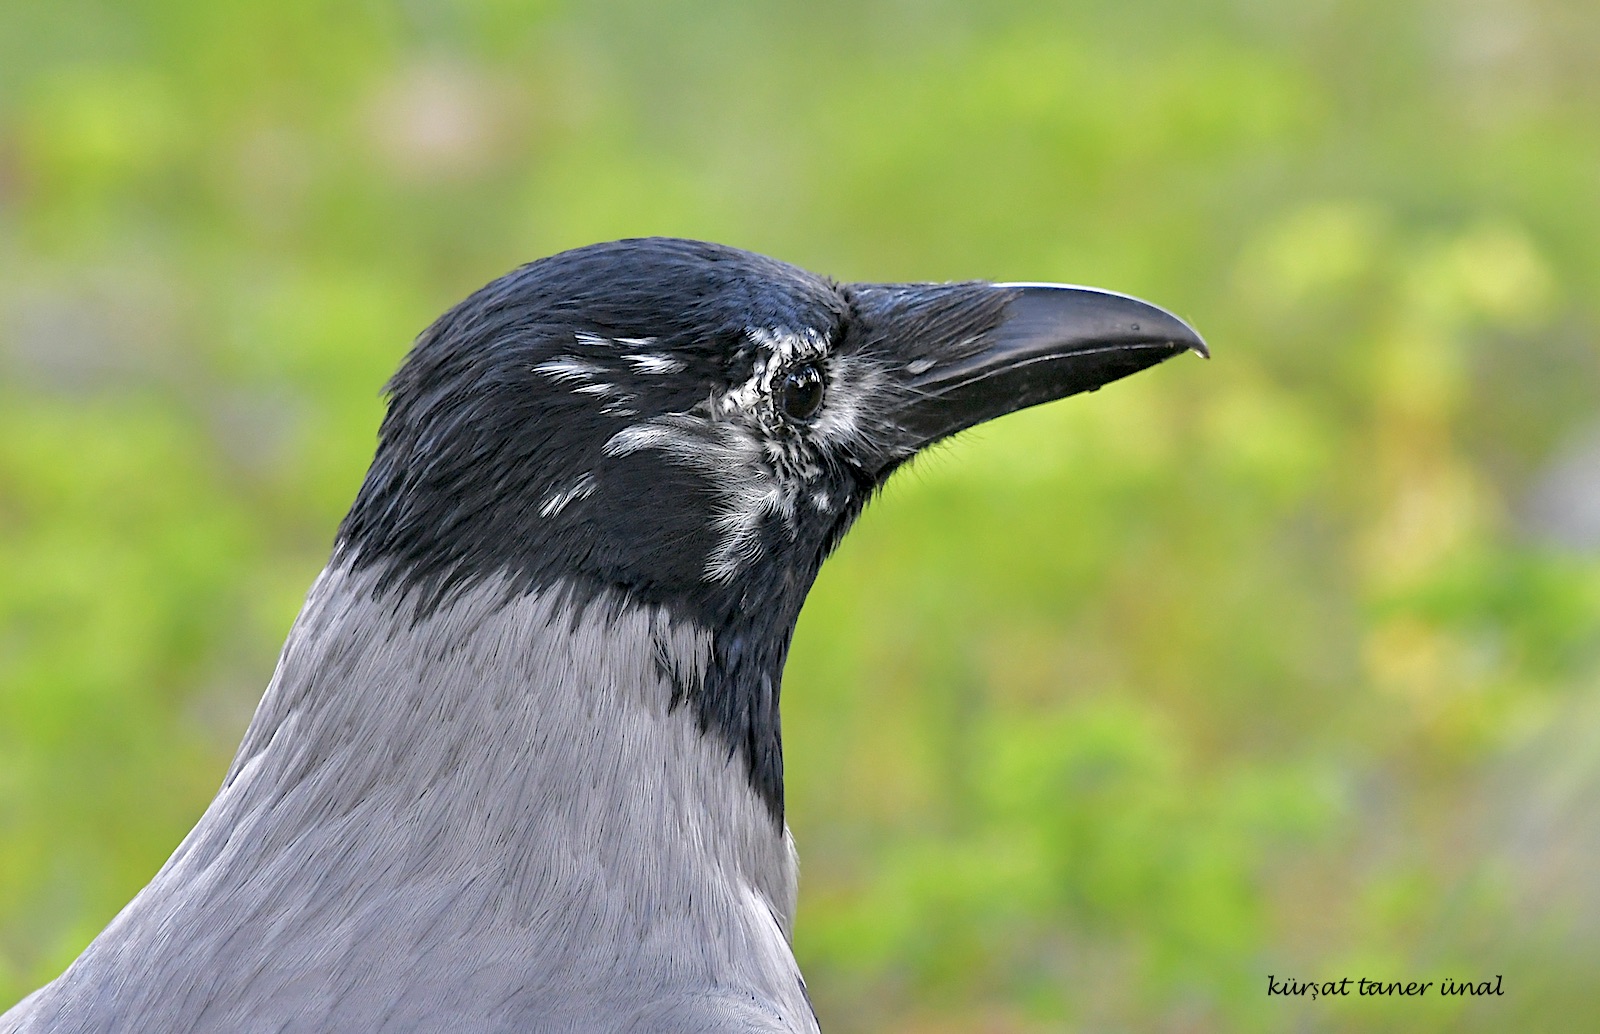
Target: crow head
(519,767)
(689,426)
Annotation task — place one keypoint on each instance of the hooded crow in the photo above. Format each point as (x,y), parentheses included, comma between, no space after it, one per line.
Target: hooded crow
(519,767)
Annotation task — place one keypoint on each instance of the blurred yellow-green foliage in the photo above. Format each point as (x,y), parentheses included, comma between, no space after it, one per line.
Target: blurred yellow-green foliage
(1284,664)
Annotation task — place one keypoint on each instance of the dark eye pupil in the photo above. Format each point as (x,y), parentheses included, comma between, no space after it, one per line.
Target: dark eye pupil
(801,392)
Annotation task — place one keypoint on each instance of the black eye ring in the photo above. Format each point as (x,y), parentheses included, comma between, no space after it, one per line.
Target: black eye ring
(801,390)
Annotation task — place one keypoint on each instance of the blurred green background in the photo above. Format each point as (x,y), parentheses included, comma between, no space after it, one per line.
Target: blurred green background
(1284,664)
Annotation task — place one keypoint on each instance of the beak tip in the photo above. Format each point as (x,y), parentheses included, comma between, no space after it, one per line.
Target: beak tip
(1190,338)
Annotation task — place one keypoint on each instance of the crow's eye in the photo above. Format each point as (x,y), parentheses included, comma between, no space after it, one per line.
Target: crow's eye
(801,390)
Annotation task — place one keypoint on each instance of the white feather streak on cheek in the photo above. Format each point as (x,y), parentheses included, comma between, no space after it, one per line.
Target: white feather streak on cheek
(747,505)
(791,456)
(603,391)
(729,456)
(736,450)
(650,363)
(565,368)
(582,488)
(737,528)
(636,437)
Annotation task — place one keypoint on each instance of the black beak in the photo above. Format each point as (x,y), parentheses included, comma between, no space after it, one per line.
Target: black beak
(965,353)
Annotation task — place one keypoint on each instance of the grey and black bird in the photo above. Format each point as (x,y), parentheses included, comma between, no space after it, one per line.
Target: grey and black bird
(519,767)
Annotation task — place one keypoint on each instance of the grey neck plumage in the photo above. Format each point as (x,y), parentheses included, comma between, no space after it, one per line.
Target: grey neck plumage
(488,819)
